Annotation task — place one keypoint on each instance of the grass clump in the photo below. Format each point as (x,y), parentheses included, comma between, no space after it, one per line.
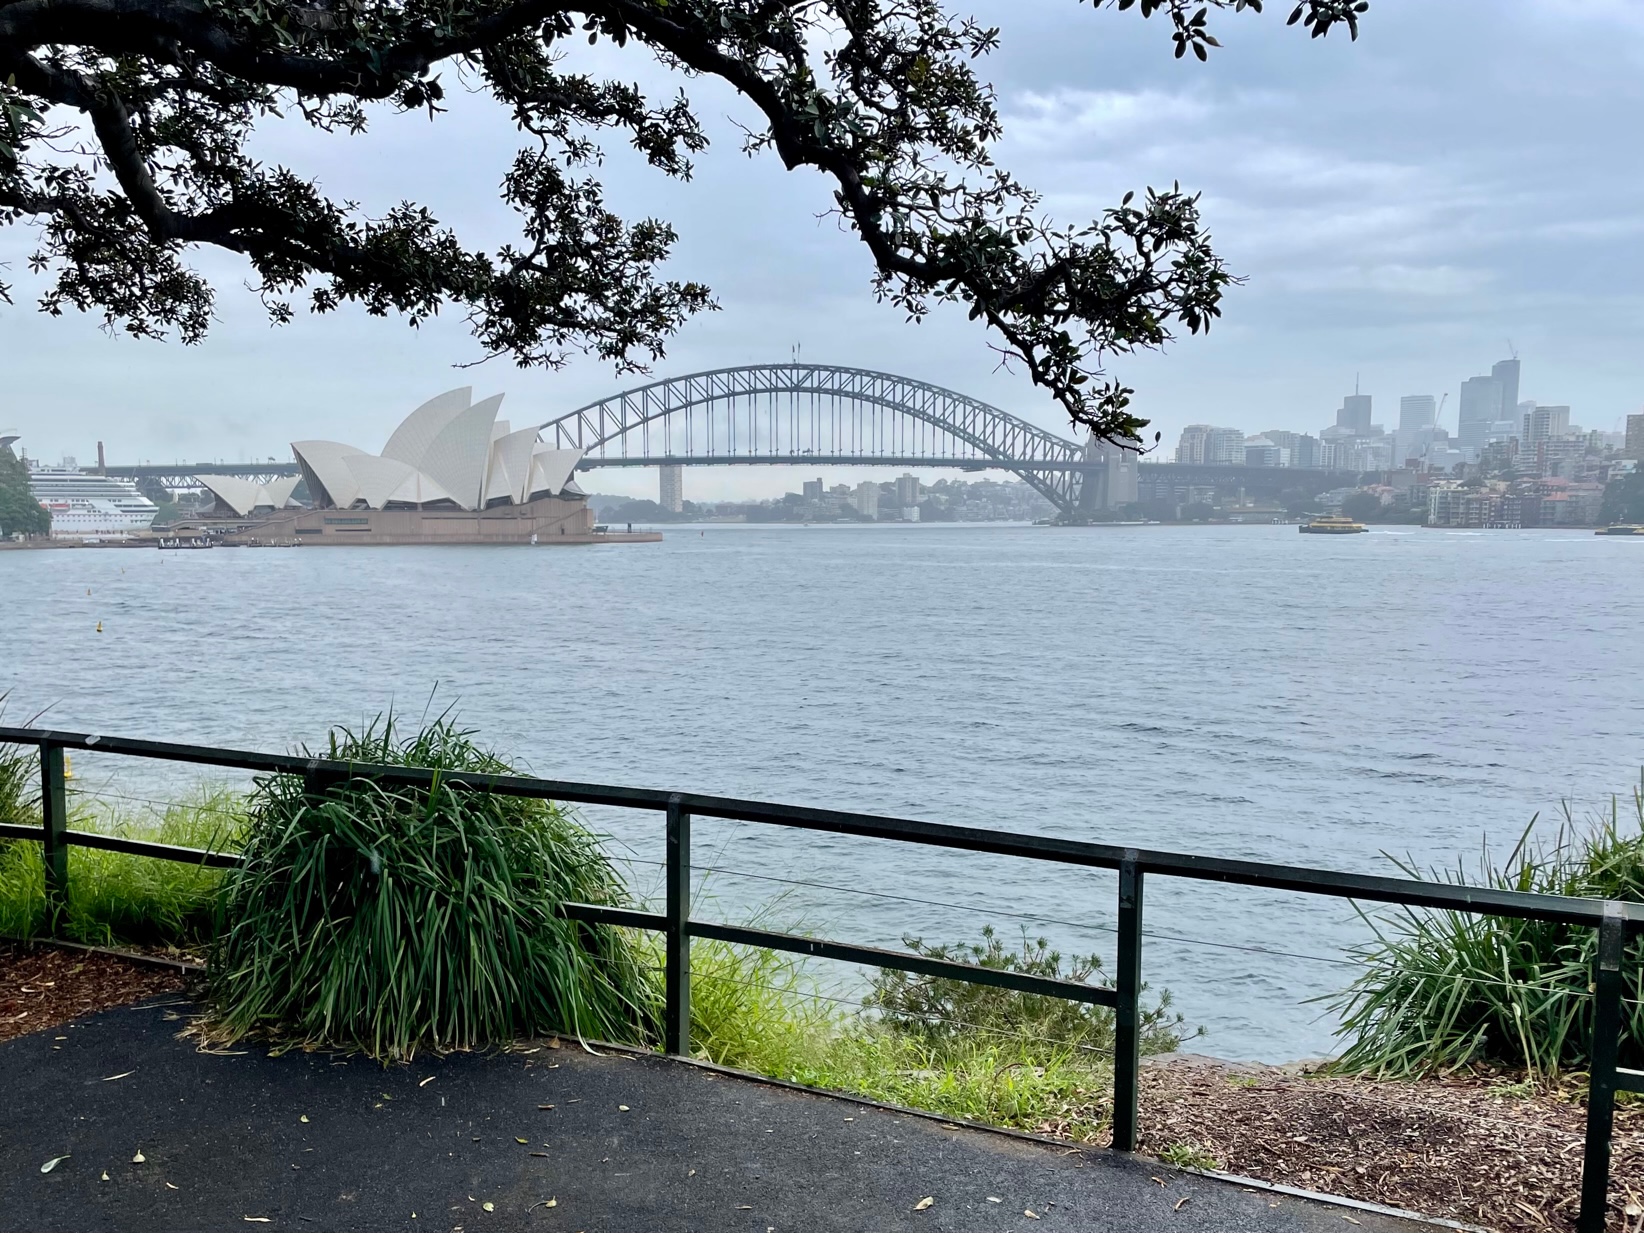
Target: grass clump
(1444,990)
(120,900)
(931,1043)
(386,918)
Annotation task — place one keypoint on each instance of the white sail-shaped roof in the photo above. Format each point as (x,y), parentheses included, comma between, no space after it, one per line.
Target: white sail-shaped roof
(388,481)
(410,441)
(450,449)
(551,470)
(511,466)
(459,452)
(330,482)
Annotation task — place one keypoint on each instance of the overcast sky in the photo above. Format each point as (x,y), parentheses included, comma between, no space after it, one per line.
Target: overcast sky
(1467,173)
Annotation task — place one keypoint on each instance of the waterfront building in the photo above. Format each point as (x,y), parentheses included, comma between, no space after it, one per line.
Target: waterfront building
(907,492)
(866,499)
(811,490)
(672,488)
(1208,445)
(451,473)
(88,506)
(1190,446)
(1417,411)
(1633,446)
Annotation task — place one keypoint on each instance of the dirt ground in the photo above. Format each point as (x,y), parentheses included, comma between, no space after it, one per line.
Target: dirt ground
(1481,1149)
(43,987)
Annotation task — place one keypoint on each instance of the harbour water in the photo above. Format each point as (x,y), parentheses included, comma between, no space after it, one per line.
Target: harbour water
(1241,691)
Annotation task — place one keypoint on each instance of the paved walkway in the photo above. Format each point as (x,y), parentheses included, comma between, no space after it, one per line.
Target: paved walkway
(157,1137)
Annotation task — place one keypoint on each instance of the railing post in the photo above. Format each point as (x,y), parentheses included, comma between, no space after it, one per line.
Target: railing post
(54,825)
(1127,981)
(676,1024)
(1595,1165)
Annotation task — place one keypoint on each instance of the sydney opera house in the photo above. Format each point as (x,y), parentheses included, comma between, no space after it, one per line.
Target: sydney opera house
(452,472)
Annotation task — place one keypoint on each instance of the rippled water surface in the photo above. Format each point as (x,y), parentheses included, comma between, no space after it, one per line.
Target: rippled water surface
(1239,691)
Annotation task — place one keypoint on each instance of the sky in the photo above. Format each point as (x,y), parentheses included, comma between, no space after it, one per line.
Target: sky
(1464,178)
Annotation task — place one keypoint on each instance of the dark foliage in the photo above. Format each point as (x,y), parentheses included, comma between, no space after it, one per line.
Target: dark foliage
(939,1010)
(880,96)
(20,513)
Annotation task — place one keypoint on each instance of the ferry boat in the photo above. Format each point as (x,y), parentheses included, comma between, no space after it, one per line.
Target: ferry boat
(1621,528)
(1332,524)
(86,506)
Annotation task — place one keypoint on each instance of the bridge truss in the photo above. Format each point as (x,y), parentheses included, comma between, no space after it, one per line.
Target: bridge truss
(816,414)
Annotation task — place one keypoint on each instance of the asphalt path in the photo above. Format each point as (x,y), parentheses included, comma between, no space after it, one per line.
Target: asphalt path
(151,1133)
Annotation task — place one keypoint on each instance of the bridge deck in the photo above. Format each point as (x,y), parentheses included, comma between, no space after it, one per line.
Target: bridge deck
(159,1136)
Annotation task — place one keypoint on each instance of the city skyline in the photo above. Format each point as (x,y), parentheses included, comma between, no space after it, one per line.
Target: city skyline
(1472,204)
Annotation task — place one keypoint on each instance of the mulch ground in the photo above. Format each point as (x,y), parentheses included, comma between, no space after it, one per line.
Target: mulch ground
(1463,1148)
(44,986)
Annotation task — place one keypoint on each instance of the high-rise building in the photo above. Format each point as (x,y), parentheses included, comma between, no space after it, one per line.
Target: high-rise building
(811,490)
(1354,414)
(1191,448)
(866,499)
(1417,411)
(1634,444)
(907,491)
(672,496)
(1505,374)
(1543,423)
(1224,447)
(1481,406)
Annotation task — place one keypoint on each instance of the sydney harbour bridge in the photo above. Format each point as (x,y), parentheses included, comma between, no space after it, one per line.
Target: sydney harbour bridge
(817,415)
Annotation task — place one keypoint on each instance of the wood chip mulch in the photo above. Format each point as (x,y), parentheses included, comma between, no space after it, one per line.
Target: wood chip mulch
(1471,1149)
(45,987)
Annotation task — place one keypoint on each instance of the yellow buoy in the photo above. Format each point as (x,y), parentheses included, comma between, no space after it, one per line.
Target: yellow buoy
(68,766)
(99,627)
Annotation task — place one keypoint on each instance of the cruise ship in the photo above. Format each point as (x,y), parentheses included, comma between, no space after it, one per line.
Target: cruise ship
(88,506)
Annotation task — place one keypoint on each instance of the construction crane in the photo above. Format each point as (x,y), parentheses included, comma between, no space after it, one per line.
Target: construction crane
(1438,416)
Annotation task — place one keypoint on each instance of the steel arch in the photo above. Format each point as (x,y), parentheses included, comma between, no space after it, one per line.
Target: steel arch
(986,433)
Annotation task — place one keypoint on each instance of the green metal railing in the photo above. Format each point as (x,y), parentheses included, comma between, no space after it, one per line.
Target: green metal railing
(1615,921)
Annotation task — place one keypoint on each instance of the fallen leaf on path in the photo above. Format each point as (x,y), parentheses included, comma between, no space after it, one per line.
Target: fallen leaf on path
(255,1219)
(1030,1214)
(303,1118)
(169,1186)
(1160,1180)
(1350,1220)
(622,1108)
(1180,1203)
(105,1175)
(426,1081)
(123,1074)
(554,1043)
(544,1155)
(924,1203)
(139,1157)
(488,1206)
(545,1106)
(52,1163)
(517,1139)
(993,1198)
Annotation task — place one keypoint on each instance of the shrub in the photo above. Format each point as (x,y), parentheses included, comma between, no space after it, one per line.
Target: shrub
(940,1009)
(388,918)
(1442,990)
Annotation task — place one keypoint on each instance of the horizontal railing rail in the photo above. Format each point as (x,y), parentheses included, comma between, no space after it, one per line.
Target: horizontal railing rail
(1615,921)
